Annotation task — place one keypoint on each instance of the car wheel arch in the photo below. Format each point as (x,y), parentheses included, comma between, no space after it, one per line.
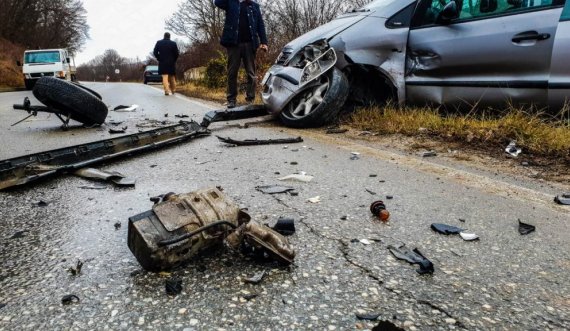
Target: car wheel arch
(362,78)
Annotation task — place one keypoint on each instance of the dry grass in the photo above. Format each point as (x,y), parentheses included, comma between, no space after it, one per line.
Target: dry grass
(201,92)
(531,130)
(10,73)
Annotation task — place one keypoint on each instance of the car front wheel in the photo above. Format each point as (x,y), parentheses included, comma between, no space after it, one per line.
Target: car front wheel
(318,104)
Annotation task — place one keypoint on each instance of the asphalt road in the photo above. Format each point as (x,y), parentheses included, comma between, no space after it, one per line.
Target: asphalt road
(504,281)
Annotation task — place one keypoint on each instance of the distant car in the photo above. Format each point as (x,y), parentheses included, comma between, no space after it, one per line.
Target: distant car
(151,75)
(450,53)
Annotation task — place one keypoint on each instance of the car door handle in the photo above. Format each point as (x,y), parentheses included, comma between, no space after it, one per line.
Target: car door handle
(530,35)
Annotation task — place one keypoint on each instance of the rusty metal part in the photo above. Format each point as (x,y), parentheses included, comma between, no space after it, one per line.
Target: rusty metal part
(33,111)
(263,238)
(29,168)
(233,114)
(181,226)
(254,142)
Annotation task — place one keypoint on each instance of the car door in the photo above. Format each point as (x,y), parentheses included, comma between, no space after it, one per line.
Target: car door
(490,52)
(559,82)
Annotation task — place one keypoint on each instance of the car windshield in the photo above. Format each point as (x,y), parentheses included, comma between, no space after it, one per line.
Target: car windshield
(151,68)
(42,57)
(375,5)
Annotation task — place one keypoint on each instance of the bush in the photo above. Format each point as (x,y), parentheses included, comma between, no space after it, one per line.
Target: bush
(215,76)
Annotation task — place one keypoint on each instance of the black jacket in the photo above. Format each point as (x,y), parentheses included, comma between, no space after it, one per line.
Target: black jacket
(231,25)
(166,52)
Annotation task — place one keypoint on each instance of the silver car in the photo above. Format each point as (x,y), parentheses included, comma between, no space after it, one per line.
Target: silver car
(450,53)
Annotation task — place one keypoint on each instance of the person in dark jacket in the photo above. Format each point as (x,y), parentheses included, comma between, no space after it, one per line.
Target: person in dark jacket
(166,52)
(243,34)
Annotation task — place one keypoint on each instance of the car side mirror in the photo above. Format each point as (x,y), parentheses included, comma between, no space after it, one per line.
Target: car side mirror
(448,13)
(18,63)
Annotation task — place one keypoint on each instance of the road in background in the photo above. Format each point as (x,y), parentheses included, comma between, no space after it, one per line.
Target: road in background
(503,281)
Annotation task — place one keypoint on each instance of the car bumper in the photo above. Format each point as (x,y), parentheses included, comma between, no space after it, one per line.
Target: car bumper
(279,86)
(155,79)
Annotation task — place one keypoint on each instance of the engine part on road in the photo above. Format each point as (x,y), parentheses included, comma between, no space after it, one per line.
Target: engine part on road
(413,257)
(255,142)
(238,113)
(108,176)
(181,226)
(30,168)
(378,209)
(563,199)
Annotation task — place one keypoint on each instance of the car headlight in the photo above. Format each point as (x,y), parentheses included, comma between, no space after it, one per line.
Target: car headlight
(318,66)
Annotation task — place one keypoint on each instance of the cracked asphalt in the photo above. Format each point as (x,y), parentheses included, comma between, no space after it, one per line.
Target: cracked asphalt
(504,281)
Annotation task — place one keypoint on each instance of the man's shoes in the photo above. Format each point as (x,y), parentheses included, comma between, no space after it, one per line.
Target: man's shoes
(249,102)
(231,104)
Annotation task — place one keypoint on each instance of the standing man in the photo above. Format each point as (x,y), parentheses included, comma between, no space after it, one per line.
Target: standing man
(244,33)
(166,52)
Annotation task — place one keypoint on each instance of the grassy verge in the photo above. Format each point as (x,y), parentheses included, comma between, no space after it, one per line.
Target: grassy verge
(533,132)
(201,92)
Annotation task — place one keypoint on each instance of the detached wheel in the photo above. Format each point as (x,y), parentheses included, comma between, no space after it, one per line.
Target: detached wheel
(318,104)
(79,102)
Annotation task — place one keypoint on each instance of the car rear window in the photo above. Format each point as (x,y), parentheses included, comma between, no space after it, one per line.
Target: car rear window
(151,68)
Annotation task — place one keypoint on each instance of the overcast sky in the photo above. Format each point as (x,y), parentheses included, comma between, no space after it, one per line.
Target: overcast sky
(131,27)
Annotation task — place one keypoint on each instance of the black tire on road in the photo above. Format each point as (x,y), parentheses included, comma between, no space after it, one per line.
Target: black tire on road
(80,103)
(323,100)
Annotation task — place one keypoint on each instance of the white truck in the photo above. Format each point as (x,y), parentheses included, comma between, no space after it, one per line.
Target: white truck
(47,62)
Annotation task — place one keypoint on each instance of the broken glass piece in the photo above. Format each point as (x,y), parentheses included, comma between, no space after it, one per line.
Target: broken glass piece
(413,257)
(368,317)
(525,228)
(255,279)
(285,226)
(274,189)
(173,286)
(445,229)
(302,177)
(386,326)
(563,199)
(468,236)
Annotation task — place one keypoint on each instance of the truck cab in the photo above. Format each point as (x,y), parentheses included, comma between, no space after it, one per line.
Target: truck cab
(47,62)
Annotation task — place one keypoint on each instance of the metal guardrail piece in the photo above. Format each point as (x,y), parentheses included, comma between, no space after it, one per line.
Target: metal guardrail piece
(29,168)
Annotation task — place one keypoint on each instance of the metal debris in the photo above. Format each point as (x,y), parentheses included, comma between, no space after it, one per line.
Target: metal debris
(354,156)
(413,257)
(69,299)
(116,131)
(181,116)
(563,199)
(274,189)
(445,229)
(122,108)
(255,142)
(108,176)
(255,279)
(525,229)
(76,270)
(93,187)
(29,168)
(285,226)
(512,149)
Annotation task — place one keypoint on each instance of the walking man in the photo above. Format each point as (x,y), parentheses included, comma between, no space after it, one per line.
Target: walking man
(166,52)
(244,33)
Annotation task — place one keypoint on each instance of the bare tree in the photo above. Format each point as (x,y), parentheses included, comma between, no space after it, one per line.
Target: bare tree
(198,20)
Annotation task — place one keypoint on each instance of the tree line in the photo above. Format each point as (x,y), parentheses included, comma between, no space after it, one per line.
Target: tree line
(44,23)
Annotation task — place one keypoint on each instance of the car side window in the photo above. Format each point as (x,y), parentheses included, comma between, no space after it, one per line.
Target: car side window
(565,13)
(477,9)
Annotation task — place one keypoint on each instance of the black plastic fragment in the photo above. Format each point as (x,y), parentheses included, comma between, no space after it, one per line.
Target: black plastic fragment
(445,229)
(274,189)
(386,326)
(336,131)
(69,299)
(173,286)
(19,234)
(370,191)
(117,225)
(2,305)
(285,226)
(250,296)
(77,269)
(368,317)
(526,228)
(41,203)
(181,116)
(254,142)
(413,257)
(563,199)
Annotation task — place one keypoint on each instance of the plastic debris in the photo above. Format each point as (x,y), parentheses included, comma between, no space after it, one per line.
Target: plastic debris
(93,187)
(525,229)
(413,257)
(121,130)
(368,316)
(354,156)
(512,149)
(181,116)
(316,199)
(110,176)
(41,203)
(563,199)
(69,299)
(386,326)
(468,236)
(249,297)
(122,108)
(428,154)
(75,271)
(173,286)
(370,191)
(19,234)
(378,209)
(445,229)
(274,189)
(365,241)
(255,279)
(117,225)
(301,177)
(285,226)
(254,142)
(336,131)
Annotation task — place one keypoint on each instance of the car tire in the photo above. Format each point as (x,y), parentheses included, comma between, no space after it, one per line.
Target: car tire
(323,100)
(29,83)
(73,100)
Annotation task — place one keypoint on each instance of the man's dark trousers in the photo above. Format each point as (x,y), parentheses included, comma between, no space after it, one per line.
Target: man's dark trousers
(245,52)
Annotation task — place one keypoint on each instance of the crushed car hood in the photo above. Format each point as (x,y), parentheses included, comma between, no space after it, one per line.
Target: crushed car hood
(327,31)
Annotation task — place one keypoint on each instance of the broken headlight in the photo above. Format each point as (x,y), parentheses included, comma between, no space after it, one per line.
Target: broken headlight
(315,59)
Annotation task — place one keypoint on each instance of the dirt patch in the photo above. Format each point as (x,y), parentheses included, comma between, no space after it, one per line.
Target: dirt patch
(10,74)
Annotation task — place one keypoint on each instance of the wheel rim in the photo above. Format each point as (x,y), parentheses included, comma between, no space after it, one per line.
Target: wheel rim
(309,100)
